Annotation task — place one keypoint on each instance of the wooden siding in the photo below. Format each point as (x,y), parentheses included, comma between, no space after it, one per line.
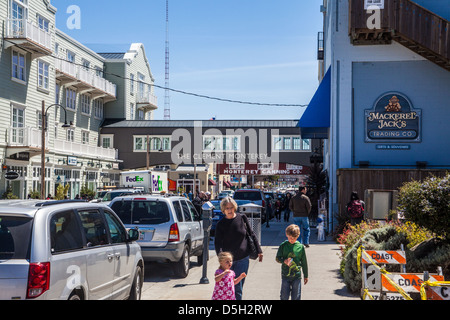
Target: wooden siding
(406,22)
(360,180)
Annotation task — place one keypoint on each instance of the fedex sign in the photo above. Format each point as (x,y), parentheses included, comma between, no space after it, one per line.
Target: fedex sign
(135,179)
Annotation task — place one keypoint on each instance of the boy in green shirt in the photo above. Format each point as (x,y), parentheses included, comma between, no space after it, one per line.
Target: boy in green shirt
(292,256)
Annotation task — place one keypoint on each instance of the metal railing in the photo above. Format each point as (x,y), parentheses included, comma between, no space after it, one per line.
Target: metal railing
(27,29)
(86,76)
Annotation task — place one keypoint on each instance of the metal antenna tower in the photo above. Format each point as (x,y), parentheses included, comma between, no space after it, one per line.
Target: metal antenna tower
(167,91)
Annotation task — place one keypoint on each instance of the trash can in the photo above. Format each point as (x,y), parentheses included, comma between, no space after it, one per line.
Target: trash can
(253,213)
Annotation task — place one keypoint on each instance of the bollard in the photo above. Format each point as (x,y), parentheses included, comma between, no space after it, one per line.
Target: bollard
(207,209)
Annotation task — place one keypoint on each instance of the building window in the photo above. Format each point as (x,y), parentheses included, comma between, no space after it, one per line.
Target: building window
(70,56)
(70,135)
(132,83)
(132,112)
(141,85)
(18,122)
(85,102)
(106,141)
(57,87)
(71,97)
(156,143)
(86,64)
(221,143)
(290,143)
(141,114)
(43,23)
(140,144)
(85,137)
(18,66)
(43,75)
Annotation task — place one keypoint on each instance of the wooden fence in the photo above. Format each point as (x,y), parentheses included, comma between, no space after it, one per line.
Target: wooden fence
(359,180)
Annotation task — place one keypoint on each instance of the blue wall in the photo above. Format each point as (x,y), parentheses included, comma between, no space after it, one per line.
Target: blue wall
(440,7)
(427,86)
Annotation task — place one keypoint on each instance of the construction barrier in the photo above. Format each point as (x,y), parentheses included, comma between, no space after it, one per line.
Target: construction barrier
(380,284)
(438,290)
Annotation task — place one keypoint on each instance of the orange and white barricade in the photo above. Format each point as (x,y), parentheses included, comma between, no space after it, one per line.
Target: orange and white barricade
(380,284)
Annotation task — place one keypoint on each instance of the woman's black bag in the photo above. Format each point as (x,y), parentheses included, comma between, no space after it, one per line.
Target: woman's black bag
(253,251)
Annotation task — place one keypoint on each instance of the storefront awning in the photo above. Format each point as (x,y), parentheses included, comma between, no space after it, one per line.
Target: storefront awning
(227,184)
(211,182)
(315,122)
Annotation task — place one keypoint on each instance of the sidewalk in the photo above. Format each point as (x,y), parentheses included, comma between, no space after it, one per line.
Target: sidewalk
(264,279)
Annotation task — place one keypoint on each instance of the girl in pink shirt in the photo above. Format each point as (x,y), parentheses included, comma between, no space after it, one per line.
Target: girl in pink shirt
(225,278)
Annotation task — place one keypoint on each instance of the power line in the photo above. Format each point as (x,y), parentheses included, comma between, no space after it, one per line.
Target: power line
(177,90)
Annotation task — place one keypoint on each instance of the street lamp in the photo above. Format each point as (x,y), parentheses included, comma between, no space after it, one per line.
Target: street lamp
(44,124)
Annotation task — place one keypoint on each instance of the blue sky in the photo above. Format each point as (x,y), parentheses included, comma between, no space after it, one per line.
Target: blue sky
(247,50)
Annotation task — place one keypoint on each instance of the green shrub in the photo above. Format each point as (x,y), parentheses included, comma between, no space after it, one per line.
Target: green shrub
(427,204)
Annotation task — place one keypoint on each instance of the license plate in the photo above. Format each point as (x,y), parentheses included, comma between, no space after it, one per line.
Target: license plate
(146,234)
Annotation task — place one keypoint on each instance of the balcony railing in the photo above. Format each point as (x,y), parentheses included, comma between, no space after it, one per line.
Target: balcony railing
(30,31)
(85,77)
(85,150)
(25,137)
(28,137)
(147,100)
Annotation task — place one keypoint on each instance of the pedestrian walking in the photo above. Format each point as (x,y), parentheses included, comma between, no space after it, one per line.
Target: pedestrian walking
(231,236)
(300,205)
(225,278)
(278,207)
(292,256)
(355,209)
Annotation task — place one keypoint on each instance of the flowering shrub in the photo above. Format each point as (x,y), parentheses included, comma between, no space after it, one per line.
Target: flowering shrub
(427,204)
(352,235)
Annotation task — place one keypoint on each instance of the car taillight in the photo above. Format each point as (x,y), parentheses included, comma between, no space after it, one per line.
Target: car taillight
(263,204)
(174,233)
(38,279)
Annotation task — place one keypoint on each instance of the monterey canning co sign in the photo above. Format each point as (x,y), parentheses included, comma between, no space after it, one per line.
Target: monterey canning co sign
(393,119)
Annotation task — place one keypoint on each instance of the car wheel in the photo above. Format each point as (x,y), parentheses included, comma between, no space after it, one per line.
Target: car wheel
(136,288)
(74,296)
(182,266)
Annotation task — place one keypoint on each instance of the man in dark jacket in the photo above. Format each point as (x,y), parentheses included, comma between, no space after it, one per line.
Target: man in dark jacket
(300,205)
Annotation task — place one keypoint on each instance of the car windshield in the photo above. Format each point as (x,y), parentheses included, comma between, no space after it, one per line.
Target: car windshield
(142,211)
(15,233)
(248,195)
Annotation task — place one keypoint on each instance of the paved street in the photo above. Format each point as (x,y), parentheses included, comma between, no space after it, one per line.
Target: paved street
(264,279)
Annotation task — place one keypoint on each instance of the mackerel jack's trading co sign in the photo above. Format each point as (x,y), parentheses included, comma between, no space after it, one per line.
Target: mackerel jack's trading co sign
(393,119)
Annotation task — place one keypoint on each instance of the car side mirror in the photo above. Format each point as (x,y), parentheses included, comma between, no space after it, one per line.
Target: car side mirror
(133,235)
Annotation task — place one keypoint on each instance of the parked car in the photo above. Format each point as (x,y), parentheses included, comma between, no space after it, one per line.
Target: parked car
(225,193)
(171,230)
(67,250)
(255,196)
(111,194)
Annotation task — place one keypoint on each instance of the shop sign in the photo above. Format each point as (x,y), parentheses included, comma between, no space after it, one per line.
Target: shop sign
(393,119)
(260,169)
(72,161)
(368,4)
(11,175)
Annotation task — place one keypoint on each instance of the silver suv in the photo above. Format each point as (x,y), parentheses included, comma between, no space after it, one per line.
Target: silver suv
(67,250)
(171,230)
